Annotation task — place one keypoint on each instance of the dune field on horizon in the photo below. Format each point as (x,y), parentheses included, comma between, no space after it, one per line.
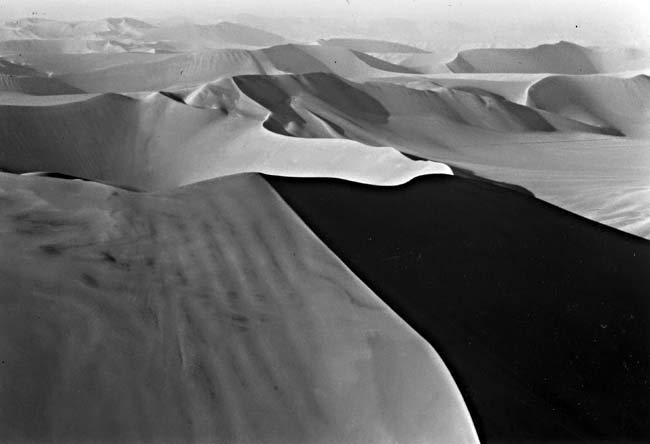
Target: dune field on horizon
(223,233)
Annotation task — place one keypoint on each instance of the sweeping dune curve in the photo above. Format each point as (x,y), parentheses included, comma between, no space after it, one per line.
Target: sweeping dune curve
(207,314)
(621,103)
(156,142)
(559,58)
(170,190)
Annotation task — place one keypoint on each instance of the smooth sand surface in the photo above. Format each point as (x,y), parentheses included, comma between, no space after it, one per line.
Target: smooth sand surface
(372,46)
(621,103)
(170,301)
(559,58)
(591,170)
(157,142)
(541,315)
(206,314)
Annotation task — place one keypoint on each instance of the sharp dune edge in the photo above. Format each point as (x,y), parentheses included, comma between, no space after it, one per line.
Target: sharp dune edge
(172,295)
(559,58)
(534,309)
(622,103)
(207,314)
(157,142)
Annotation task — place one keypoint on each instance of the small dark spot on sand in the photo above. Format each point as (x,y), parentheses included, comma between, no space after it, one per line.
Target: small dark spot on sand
(89,280)
(52,249)
(239,318)
(181,277)
(108,257)
(150,262)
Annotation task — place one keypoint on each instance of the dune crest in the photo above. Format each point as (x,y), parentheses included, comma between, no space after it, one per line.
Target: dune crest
(621,103)
(159,142)
(207,314)
(559,58)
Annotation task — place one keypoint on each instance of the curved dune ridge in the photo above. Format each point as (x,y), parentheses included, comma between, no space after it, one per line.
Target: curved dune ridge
(35,85)
(39,28)
(541,315)
(579,167)
(370,45)
(38,35)
(207,314)
(130,72)
(427,63)
(10,47)
(189,36)
(558,58)
(58,64)
(621,103)
(158,143)
(365,111)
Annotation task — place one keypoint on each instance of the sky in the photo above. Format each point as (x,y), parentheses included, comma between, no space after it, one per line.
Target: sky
(466,10)
(601,20)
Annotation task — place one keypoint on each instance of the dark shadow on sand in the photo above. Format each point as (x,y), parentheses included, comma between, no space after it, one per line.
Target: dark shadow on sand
(541,315)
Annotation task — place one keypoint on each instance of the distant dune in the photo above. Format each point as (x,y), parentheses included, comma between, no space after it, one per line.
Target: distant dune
(621,103)
(191,37)
(158,143)
(514,293)
(558,58)
(356,107)
(369,45)
(41,35)
(587,169)
(206,314)
(494,202)
(427,63)
(35,85)
(70,46)
(147,72)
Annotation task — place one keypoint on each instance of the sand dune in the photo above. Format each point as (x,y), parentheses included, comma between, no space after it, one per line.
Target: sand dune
(39,28)
(559,58)
(541,314)
(371,46)
(158,142)
(425,63)
(35,85)
(182,36)
(120,73)
(209,314)
(621,103)
(70,46)
(57,64)
(581,168)
(355,107)
(192,37)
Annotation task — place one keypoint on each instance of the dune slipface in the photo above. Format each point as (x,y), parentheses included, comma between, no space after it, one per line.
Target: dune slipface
(160,142)
(541,315)
(206,314)
(559,58)
(621,103)
(589,169)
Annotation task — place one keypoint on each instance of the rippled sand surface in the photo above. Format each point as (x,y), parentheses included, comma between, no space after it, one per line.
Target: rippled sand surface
(206,314)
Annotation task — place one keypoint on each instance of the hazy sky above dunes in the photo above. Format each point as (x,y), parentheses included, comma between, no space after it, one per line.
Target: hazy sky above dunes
(581,10)
(600,21)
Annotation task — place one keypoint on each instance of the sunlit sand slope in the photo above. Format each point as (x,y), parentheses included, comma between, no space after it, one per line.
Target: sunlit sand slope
(146,72)
(159,142)
(41,86)
(589,169)
(541,315)
(559,58)
(208,314)
(621,103)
